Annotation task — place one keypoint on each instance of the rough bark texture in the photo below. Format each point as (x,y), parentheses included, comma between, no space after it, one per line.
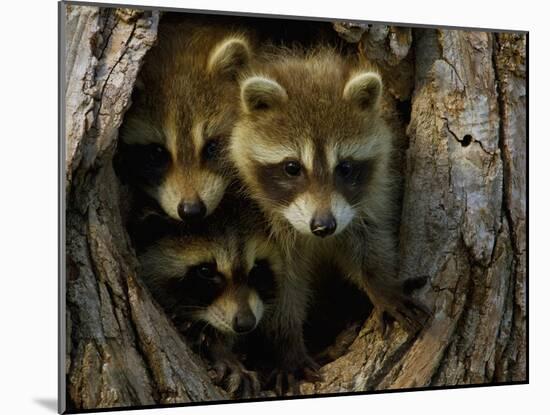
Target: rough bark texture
(463,220)
(122,350)
(461,99)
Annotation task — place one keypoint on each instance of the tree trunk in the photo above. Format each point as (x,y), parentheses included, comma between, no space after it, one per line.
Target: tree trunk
(463,221)
(121,348)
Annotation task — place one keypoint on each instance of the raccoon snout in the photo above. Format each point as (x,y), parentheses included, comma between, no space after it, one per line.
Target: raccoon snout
(244,321)
(195,210)
(323,225)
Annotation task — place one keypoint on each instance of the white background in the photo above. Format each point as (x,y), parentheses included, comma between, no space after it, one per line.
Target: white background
(28,208)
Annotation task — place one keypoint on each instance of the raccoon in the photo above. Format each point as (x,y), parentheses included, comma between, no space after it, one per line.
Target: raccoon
(217,281)
(174,137)
(313,150)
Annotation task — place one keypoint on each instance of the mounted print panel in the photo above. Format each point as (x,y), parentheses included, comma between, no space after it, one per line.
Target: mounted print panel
(270,207)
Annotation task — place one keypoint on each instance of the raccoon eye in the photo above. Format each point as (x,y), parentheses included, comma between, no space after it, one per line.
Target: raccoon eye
(344,169)
(202,283)
(262,279)
(292,168)
(211,149)
(207,271)
(158,155)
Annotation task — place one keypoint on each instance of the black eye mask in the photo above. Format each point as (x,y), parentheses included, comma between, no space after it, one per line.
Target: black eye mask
(142,163)
(262,279)
(201,285)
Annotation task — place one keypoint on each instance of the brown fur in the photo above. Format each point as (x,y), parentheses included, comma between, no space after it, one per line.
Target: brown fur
(236,247)
(184,98)
(321,109)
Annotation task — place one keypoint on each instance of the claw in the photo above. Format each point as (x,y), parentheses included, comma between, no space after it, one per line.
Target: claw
(220,370)
(236,379)
(256,386)
(286,382)
(246,389)
(312,375)
(381,322)
(411,316)
(414,283)
(279,384)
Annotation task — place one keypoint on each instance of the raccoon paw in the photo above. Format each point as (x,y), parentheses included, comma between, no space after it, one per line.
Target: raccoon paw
(340,346)
(411,314)
(235,378)
(285,381)
(414,283)
(196,336)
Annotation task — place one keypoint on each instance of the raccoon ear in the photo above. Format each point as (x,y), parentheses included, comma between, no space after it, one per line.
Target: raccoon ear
(259,93)
(364,89)
(230,56)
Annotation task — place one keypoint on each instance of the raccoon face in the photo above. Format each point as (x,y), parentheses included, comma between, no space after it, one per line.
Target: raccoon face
(175,135)
(218,282)
(311,151)
(240,307)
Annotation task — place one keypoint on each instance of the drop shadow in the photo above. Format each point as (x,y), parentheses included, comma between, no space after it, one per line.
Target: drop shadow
(48,403)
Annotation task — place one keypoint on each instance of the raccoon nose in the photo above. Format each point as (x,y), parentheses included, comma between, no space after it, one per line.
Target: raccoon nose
(192,210)
(244,321)
(323,225)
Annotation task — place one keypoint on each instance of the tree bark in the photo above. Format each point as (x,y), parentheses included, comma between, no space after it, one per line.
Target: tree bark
(456,98)
(463,217)
(121,349)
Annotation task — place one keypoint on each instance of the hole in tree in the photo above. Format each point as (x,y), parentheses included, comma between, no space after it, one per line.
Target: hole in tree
(335,314)
(339,309)
(466,140)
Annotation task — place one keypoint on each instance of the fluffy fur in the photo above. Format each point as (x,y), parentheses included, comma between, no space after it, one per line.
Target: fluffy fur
(320,111)
(175,135)
(217,281)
